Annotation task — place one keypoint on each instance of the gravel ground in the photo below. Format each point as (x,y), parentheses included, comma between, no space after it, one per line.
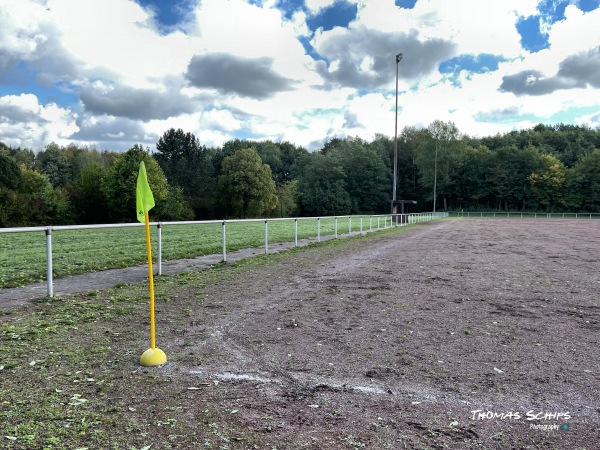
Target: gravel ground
(459,334)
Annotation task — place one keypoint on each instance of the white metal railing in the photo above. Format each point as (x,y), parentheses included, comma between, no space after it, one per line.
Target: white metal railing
(389,220)
(534,215)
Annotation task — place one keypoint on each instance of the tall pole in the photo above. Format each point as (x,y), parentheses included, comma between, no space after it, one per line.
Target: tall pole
(398,59)
(435,175)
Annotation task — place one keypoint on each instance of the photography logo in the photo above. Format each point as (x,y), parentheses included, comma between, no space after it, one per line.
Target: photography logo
(538,420)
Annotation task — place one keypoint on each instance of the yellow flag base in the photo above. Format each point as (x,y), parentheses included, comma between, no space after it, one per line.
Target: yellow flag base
(153,357)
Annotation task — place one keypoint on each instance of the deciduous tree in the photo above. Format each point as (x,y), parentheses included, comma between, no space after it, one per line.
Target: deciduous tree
(246,185)
(121,179)
(322,187)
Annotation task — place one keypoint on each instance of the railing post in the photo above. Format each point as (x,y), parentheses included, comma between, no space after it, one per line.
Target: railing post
(266,237)
(370,223)
(361,225)
(378,222)
(296,232)
(159,255)
(318,229)
(49,280)
(349,225)
(224,241)
(335,227)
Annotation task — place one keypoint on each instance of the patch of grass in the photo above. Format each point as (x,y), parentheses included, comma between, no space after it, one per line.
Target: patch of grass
(23,256)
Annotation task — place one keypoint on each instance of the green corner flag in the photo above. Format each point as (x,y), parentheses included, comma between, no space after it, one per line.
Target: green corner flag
(144,200)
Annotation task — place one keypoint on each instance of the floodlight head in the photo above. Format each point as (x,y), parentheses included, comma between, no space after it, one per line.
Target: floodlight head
(398,57)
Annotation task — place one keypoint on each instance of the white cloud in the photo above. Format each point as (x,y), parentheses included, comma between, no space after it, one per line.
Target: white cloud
(475,26)
(299,25)
(590,120)
(578,32)
(20,26)
(26,123)
(134,82)
(116,39)
(315,6)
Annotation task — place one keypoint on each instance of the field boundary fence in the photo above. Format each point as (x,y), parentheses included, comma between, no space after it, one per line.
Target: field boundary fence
(355,224)
(524,215)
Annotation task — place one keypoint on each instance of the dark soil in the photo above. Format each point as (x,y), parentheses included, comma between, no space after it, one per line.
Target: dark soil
(413,339)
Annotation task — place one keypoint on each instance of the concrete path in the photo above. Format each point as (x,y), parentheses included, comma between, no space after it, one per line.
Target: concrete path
(76,284)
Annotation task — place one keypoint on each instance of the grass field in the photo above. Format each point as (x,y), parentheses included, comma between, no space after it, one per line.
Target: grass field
(23,255)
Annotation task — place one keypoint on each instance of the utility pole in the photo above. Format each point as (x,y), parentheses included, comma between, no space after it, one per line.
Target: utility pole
(394,208)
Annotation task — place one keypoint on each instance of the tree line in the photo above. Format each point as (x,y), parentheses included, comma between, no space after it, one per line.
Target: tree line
(551,168)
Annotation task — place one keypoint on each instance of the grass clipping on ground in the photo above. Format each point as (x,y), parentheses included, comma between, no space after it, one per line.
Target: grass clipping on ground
(70,374)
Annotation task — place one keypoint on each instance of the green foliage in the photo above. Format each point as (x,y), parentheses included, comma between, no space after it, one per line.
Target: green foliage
(535,169)
(270,154)
(120,184)
(569,143)
(53,162)
(10,175)
(188,166)
(438,158)
(18,155)
(89,196)
(287,199)
(322,187)
(246,185)
(472,183)
(175,207)
(33,202)
(547,183)
(583,184)
(367,179)
(281,157)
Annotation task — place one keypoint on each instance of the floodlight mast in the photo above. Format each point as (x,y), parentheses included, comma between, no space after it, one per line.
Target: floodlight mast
(394,207)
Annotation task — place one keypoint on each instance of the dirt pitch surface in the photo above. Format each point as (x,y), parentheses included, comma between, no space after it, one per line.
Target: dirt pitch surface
(453,334)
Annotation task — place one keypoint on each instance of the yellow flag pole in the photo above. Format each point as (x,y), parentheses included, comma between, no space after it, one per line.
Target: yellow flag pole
(153,356)
(151,278)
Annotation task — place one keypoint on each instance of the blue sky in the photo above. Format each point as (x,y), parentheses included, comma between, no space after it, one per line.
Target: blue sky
(114,73)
